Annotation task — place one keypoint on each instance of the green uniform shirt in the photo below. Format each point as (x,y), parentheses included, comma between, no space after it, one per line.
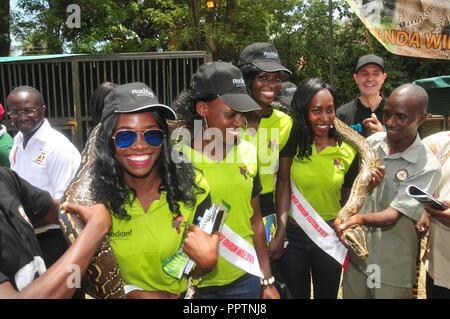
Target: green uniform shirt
(271,137)
(394,249)
(320,177)
(232,180)
(143,242)
(6,143)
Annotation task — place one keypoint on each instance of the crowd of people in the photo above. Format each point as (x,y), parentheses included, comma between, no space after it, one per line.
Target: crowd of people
(238,135)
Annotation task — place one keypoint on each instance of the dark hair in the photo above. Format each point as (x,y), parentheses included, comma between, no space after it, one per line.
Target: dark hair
(97,102)
(178,180)
(299,110)
(31,90)
(249,71)
(186,106)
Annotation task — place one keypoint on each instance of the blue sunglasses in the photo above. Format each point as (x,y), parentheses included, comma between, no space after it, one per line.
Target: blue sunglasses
(126,138)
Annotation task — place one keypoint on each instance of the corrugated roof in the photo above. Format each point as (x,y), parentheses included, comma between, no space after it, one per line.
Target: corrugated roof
(35,57)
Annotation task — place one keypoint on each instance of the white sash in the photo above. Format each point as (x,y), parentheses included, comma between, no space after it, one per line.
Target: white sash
(237,251)
(315,227)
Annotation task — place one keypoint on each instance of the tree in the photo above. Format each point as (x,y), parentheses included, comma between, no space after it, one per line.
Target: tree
(5,40)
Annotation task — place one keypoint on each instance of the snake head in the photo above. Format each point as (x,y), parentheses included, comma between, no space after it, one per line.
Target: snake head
(355,238)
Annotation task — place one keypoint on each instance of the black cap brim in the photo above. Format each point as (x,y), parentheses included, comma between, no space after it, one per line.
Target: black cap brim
(271,67)
(240,102)
(168,112)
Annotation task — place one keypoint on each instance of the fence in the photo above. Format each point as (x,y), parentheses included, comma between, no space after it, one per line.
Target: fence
(66,82)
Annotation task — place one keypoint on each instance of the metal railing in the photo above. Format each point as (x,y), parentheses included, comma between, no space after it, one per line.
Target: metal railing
(67,83)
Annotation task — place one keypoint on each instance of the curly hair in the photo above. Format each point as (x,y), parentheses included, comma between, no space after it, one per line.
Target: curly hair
(185,106)
(249,71)
(299,111)
(177,179)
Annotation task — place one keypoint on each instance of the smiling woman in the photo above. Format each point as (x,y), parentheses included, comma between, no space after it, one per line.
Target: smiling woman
(147,194)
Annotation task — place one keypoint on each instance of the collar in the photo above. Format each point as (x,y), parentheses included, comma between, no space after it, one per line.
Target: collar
(41,134)
(379,107)
(411,154)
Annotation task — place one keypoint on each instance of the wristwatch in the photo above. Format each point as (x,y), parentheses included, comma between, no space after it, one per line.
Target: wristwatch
(267,281)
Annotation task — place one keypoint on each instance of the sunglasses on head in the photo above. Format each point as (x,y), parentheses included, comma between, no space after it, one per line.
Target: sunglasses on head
(126,138)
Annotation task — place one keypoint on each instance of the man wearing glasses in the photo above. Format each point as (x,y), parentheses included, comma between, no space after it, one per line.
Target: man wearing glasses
(42,156)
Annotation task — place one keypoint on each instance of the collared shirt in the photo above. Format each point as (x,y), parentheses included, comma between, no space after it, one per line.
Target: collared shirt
(354,112)
(439,256)
(6,143)
(49,161)
(394,249)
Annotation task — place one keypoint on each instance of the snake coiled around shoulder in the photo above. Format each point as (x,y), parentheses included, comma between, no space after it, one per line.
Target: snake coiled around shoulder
(102,279)
(354,236)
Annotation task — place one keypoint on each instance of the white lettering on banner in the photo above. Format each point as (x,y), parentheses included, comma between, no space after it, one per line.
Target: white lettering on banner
(315,227)
(239,252)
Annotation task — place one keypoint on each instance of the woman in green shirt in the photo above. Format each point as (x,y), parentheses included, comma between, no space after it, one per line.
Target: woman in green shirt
(152,199)
(323,171)
(213,110)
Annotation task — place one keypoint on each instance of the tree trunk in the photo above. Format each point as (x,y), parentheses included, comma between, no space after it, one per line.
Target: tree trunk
(5,40)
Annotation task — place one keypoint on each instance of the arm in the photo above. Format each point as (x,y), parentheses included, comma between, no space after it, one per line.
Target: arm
(384,218)
(52,284)
(259,241)
(282,203)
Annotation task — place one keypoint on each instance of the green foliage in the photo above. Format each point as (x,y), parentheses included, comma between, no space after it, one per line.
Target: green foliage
(298,28)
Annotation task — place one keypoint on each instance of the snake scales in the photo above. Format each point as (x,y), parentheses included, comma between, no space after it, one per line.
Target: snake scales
(102,279)
(354,236)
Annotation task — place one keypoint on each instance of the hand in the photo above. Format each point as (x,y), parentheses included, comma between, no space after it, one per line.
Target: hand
(96,216)
(442,216)
(339,227)
(269,292)
(276,247)
(201,247)
(372,125)
(377,177)
(422,225)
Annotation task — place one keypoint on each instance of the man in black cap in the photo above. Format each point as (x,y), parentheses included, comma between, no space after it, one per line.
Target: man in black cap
(363,113)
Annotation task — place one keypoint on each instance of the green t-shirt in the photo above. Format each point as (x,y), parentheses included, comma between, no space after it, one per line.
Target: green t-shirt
(143,242)
(232,180)
(320,178)
(6,143)
(271,137)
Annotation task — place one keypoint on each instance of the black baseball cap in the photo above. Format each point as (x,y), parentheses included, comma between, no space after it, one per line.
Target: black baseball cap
(262,55)
(287,92)
(369,59)
(227,82)
(134,97)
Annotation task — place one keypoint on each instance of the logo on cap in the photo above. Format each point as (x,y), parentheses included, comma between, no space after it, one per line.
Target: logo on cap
(271,55)
(239,82)
(143,92)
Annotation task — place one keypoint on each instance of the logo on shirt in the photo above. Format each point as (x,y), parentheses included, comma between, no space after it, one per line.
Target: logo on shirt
(244,171)
(120,234)
(273,145)
(401,175)
(40,158)
(338,164)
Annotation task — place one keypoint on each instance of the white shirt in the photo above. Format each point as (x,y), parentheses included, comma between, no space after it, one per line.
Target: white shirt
(49,161)
(439,255)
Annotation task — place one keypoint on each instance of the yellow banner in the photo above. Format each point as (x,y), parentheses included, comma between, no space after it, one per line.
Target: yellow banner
(419,28)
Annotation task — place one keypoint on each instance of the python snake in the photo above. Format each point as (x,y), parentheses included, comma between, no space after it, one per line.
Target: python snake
(354,236)
(102,279)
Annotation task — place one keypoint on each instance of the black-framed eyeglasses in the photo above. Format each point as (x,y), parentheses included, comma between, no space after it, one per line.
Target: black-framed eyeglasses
(26,112)
(126,138)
